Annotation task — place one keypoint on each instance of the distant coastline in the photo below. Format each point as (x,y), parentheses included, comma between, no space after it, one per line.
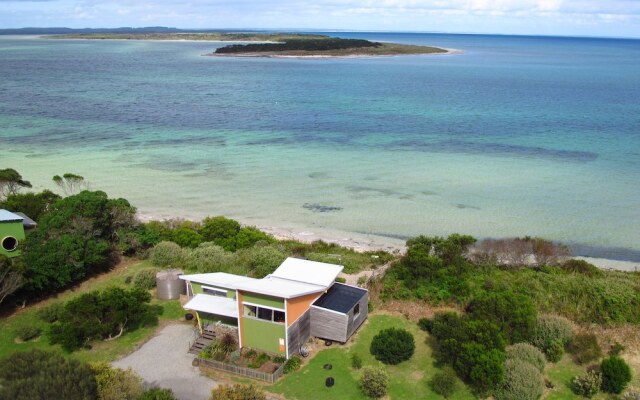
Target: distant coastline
(265,44)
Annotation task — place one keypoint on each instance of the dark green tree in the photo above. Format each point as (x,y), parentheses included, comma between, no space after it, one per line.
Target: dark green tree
(514,314)
(616,374)
(69,183)
(34,205)
(221,231)
(36,374)
(11,182)
(393,345)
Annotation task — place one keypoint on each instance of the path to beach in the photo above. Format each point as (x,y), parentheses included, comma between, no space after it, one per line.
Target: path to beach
(163,361)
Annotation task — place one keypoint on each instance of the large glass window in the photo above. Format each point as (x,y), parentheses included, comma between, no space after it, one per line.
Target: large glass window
(249,311)
(265,313)
(356,310)
(278,316)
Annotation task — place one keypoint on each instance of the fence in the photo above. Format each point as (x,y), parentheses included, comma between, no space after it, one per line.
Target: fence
(242,371)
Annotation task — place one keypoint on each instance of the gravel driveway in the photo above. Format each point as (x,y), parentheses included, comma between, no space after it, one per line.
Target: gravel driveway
(163,361)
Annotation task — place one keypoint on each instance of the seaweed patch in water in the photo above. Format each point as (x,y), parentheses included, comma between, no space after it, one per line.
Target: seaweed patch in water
(315,207)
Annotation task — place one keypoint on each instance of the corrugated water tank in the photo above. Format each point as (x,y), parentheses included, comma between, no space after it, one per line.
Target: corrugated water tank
(169,284)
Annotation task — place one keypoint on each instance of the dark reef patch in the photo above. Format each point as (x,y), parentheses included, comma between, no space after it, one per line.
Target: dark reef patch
(321,208)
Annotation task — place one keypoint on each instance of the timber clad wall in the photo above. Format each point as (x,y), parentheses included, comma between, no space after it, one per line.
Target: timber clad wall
(327,324)
(354,323)
(298,333)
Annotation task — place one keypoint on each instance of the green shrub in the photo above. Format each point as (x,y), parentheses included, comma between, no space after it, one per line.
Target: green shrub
(292,365)
(35,374)
(221,231)
(616,349)
(374,382)
(425,324)
(481,367)
(101,315)
(526,353)
(209,257)
(341,279)
(259,361)
(237,392)
(585,348)
(116,383)
(227,343)
(580,267)
(279,359)
(445,382)
(522,381)
(554,352)
(263,260)
(513,313)
(146,278)
(51,313)
(28,332)
(393,346)
(356,361)
(157,394)
(251,353)
(551,335)
(362,281)
(587,385)
(166,254)
(616,374)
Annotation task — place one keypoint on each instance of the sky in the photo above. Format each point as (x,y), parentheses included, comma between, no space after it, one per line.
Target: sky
(607,18)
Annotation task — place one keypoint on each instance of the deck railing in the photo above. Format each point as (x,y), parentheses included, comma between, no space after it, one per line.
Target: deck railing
(243,371)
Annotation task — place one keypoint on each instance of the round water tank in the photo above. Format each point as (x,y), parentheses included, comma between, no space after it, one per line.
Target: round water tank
(169,284)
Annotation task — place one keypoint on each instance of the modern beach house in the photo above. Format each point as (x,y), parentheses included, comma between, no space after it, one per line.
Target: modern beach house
(12,227)
(278,313)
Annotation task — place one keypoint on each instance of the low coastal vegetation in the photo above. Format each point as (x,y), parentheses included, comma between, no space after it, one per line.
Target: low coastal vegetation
(514,319)
(277,44)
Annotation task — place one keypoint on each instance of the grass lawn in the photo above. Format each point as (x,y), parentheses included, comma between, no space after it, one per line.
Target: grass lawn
(409,380)
(101,351)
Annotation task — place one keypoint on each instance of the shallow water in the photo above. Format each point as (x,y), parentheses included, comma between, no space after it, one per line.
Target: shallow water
(517,136)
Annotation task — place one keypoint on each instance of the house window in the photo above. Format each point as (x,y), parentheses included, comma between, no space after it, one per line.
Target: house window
(214,292)
(278,316)
(10,243)
(249,311)
(265,314)
(356,310)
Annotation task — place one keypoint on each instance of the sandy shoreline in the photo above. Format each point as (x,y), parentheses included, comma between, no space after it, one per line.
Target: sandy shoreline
(370,242)
(322,56)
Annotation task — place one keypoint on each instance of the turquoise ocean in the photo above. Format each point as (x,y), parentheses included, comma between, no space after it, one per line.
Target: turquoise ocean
(515,136)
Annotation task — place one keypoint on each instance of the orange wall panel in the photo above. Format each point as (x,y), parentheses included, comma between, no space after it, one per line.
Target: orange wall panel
(298,305)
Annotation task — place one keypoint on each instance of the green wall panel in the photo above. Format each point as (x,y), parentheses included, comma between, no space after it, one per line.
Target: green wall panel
(268,301)
(263,335)
(197,289)
(12,229)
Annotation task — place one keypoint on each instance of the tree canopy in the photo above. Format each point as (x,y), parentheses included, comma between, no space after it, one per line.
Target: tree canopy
(11,182)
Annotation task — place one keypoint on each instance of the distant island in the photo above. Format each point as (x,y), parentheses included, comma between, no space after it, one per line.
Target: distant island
(273,44)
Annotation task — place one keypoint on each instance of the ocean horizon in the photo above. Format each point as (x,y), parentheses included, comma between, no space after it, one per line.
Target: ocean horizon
(515,136)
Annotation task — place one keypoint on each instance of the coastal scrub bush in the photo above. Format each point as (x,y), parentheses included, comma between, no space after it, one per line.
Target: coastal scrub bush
(157,393)
(116,383)
(526,353)
(259,361)
(513,313)
(209,257)
(481,367)
(587,385)
(249,236)
(36,374)
(425,324)
(186,235)
(35,205)
(551,334)
(51,313)
(585,348)
(166,254)
(616,374)
(262,260)
(393,345)
(356,361)
(292,365)
(28,332)
(522,381)
(102,315)
(237,392)
(221,231)
(445,382)
(146,278)
(580,267)
(374,382)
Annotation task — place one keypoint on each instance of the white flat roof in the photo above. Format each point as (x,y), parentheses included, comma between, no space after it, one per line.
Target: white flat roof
(284,288)
(8,216)
(313,272)
(213,305)
(220,279)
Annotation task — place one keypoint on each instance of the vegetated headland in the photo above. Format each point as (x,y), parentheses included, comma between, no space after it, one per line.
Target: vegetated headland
(274,44)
